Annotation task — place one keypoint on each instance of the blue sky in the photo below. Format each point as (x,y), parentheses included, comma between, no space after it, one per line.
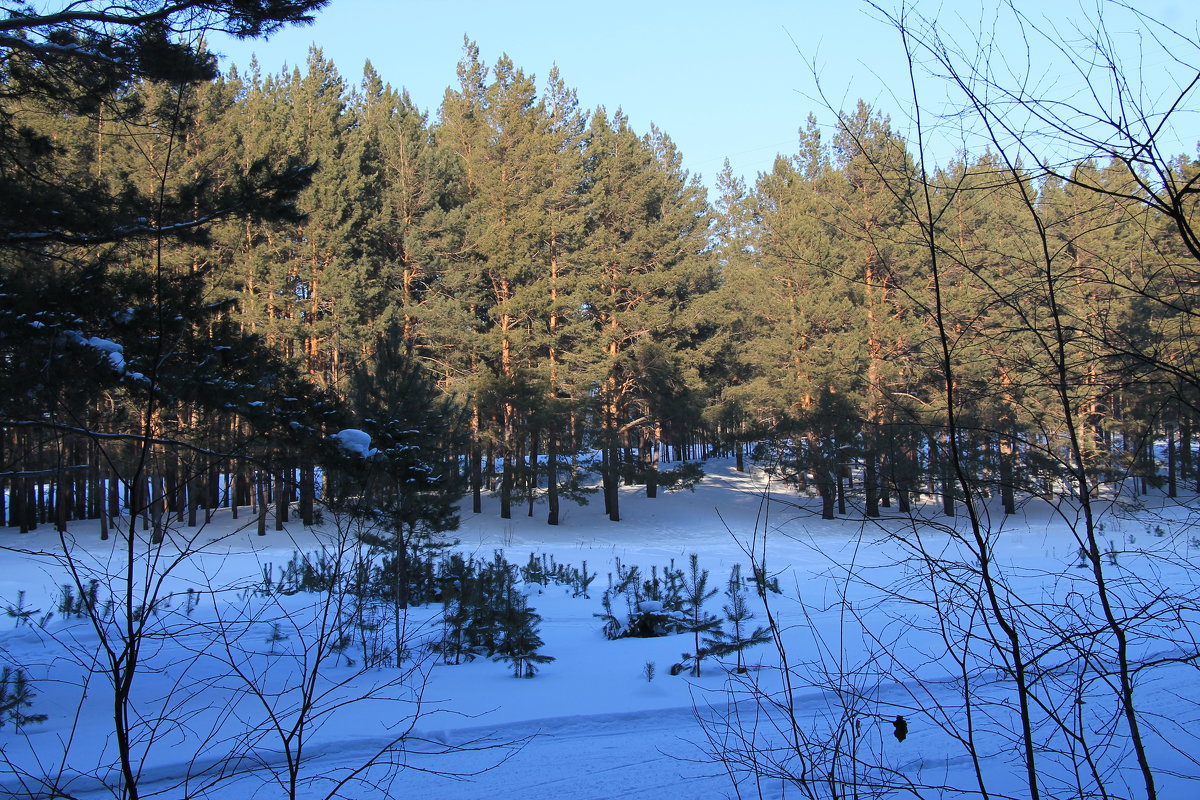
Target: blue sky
(723,79)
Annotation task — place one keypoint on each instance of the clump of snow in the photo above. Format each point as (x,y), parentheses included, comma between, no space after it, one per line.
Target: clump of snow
(114,351)
(355,442)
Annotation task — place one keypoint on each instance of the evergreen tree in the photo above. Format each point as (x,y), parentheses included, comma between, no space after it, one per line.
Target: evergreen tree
(694,618)
(737,614)
(407,488)
(647,253)
(519,640)
(112,229)
(519,157)
(725,319)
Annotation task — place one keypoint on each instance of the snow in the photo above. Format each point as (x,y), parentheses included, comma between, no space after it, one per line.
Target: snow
(114,352)
(355,442)
(590,724)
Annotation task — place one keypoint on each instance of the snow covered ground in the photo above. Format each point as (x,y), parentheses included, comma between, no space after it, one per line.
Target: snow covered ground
(872,630)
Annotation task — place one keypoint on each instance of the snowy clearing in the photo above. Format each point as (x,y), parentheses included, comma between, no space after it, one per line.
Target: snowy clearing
(224,666)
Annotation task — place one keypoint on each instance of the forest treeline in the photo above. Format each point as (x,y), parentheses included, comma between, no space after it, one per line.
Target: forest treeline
(517,293)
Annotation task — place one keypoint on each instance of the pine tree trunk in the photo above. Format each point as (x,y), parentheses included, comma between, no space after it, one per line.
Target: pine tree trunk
(610,480)
(1006,457)
(114,493)
(1185,448)
(871,480)
(260,502)
(192,489)
(62,501)
(476,454)
(22,514)
(158,507)
(308,491)
(1172,486)
(171,492)
(650,460)
(552,475)
(506,486)
(827,490)
(489,466)
(532,483)
(942,470)
(281,500)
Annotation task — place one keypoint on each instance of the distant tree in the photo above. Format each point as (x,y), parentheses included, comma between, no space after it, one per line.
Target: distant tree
(647,260)
(509,314)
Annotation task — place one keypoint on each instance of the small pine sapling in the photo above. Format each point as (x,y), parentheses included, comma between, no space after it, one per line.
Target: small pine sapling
(15,696)
(533,572)
(612,627)
(695,620)
(673,587)
(582,580)
(191,601)
(20,613)
(519,641)
(71,606)
(276,636)
(460,593)
(737,614)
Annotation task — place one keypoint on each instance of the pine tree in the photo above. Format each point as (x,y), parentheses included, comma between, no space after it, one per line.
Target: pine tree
(407,488)
(694,618)
(725,321)
(737,614)
(520,162)
(805,345)
(873,220)
(519,639)
(647,260)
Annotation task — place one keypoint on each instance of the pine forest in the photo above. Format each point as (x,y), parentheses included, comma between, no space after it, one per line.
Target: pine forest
(299,301)
(542,296)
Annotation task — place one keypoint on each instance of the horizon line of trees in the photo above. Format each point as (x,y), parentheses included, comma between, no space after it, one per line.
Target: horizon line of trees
(552,285)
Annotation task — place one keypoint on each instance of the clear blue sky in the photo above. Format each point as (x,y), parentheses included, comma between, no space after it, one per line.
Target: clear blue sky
(725,79)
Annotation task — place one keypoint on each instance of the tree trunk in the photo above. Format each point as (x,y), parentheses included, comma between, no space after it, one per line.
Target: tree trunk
(506,486)
(871,481)
(476,455)
(650,460)
(260,502)
(308,491)
(552,475)
(611,479)
(1172,486)
(1005,457)
(1185,448)
(532,483)
(281,501)
(827,488)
